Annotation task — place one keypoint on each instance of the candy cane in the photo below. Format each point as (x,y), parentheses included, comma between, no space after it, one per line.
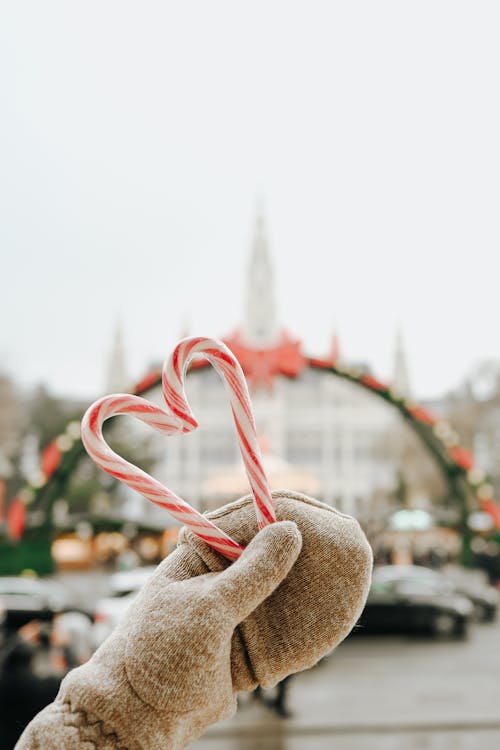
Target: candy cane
(182,420)
(228,367)
(137,479)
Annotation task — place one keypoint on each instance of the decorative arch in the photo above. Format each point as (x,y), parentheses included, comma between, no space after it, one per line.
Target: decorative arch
(471,487)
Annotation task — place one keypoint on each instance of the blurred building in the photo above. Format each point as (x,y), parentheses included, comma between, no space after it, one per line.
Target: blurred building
(319,433)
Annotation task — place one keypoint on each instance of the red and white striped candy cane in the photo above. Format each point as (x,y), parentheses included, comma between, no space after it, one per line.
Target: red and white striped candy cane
(182,420)
(228,367)
(137,479)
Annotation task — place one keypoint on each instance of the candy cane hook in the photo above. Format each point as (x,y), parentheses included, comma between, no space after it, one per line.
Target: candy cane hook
(228,367)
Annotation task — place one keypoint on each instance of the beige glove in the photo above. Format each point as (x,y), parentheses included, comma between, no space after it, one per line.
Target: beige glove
(316,606)
(171,669)
(165,674)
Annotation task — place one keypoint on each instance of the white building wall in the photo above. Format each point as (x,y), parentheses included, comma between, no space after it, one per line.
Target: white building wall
(318,422)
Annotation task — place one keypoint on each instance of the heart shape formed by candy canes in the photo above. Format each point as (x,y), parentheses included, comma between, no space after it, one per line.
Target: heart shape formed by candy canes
(180,419)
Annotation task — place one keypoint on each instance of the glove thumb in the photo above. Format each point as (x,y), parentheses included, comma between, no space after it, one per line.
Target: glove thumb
(260,569)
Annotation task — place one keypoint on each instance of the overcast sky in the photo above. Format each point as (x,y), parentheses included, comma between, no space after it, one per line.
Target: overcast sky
(135,138)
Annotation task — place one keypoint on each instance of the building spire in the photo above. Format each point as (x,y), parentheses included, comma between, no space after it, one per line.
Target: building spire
(117,379)
(335,351)
(260,326)
(400,377)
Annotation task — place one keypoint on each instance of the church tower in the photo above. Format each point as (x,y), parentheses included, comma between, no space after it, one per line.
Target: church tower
(400,376)
(260,325)
(117,380)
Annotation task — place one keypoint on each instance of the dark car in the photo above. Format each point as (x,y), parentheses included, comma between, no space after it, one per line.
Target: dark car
(405,603)
(26,599)
(484,597)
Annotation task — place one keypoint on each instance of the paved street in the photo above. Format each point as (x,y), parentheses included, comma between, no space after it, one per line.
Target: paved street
(390,693)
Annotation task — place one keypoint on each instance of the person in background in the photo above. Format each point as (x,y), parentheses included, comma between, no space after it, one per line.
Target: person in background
(23,691)
(278,703)
(32,665)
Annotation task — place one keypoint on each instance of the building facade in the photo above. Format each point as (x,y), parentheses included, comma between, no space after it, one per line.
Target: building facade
(321,431)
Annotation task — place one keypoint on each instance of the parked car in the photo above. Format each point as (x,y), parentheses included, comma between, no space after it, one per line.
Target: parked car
(28,599)
(484,597)
(110,611)
(401,602)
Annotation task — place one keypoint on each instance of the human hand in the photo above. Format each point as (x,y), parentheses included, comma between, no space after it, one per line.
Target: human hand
(183,629)
(165,674)
(193,638)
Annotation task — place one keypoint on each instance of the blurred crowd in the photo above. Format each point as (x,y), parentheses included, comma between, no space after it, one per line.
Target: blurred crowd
(33,660)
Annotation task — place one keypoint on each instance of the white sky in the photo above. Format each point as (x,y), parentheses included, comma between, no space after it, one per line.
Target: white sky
(135,137)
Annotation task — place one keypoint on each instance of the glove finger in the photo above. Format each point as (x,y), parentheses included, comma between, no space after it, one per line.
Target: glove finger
(260,569)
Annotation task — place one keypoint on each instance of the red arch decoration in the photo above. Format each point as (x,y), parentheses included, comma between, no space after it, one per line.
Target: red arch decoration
(261,366)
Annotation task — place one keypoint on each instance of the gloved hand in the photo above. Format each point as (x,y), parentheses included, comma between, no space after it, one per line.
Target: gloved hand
(314,608)
(147,688)
(164,675)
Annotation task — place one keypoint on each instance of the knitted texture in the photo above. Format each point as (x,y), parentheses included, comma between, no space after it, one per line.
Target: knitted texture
(317,605)
(58,724)
(202,630)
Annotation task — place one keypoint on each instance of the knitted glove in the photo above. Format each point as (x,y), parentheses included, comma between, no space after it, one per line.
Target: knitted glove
(315,607)
(165,674)
(132,694)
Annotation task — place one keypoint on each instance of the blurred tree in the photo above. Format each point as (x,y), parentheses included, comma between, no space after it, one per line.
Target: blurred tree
(48,415)
(11,418)
(83,491)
